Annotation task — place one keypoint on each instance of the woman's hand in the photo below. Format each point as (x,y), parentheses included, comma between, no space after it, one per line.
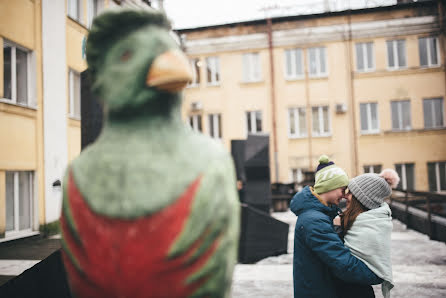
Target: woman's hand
(337,221)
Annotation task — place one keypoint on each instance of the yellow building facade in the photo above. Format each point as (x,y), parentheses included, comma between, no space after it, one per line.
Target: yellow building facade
(366,87)
(40,125)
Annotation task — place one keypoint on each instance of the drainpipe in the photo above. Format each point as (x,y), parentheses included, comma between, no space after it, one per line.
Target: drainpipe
(273,97)
(308,111)
(351,86)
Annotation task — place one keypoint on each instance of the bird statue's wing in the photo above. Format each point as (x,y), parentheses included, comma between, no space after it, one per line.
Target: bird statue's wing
(213,228)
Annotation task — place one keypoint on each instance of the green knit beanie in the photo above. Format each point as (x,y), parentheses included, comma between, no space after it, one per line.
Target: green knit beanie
(329,176)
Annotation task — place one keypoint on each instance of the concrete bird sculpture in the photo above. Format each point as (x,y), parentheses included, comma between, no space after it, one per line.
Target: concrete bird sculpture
(151,208)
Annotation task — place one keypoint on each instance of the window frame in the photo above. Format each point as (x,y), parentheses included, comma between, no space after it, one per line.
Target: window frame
(213,64)
(297,134)
(299,173)
(294,74)
(399,104)
(437,175)
(217,131)
(31,200)
(196,122)
(30,103)
(403,176)
(71,74)
(371,168)
(253,120)
(321,121)
(95,5)
(319,73)
(433,113)
(365,57)
(428,52)
(396,55)
(196,75)
(79,18)
(369,130)
(251,63)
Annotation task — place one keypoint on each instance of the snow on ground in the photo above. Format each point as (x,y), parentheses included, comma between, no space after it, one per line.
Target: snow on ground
(419,267)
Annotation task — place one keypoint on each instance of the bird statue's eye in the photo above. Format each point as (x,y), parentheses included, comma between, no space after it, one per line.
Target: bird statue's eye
(126,55)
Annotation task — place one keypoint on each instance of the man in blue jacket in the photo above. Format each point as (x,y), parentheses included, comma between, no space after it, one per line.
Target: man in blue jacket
(318,251)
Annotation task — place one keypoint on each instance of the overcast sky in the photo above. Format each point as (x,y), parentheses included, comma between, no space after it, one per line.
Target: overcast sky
(198,13)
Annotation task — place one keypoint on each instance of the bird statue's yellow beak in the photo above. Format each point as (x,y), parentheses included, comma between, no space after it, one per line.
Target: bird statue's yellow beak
(170,72)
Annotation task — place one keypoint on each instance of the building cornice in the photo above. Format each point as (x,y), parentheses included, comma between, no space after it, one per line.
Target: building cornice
(315,35)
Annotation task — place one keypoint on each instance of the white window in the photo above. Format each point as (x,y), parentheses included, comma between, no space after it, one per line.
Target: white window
(400,115)
(251,67)
(215,126)
(317,61)
(437,176)
(365,60)
(93,10)
(195,65)
(369,117)
(16,74)
(74,87)
(429,51)
(213,70)
(294,64)
(297,175)
(407,175)
(254,121)
(297,123)
(433,112)
(19,201)
(373,169)
(195,123)
(396,54)
(320,121)
(74,9)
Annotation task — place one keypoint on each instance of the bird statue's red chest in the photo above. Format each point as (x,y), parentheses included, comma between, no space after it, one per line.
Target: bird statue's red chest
(133,253)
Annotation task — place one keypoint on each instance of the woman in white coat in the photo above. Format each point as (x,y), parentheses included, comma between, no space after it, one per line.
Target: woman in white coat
(366,227)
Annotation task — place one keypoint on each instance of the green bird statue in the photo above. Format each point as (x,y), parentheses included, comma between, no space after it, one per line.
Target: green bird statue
(151,208)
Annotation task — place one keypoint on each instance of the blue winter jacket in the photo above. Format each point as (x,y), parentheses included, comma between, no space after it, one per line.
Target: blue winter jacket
(319,252)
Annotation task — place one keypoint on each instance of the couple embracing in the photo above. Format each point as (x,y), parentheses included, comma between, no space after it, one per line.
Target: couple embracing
(341,254)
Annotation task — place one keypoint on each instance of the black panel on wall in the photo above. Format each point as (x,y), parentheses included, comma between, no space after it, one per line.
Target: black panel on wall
(91,112)
(261,235)
(46,279)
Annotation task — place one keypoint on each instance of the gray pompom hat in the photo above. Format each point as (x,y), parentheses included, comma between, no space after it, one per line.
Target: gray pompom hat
(370,189)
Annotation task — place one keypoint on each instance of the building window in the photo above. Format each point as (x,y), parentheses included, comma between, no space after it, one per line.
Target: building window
(400,115)
(195,123)
(251,67)
(19,201)
(195,65)
(297,175)
(74,9)
(254,121)
(407,175)
(433,112)
(429,50)
(321,121)
(213,70)
(437,176)
(317,61)
(74,87)
(16,74)
(297,125)
(369,117)
(92,11)
(396,54)
(373,169)
(294,64)
(215,126)
(365,60)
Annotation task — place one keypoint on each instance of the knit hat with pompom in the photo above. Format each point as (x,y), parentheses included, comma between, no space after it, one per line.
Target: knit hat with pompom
(371,189)
(329,176)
